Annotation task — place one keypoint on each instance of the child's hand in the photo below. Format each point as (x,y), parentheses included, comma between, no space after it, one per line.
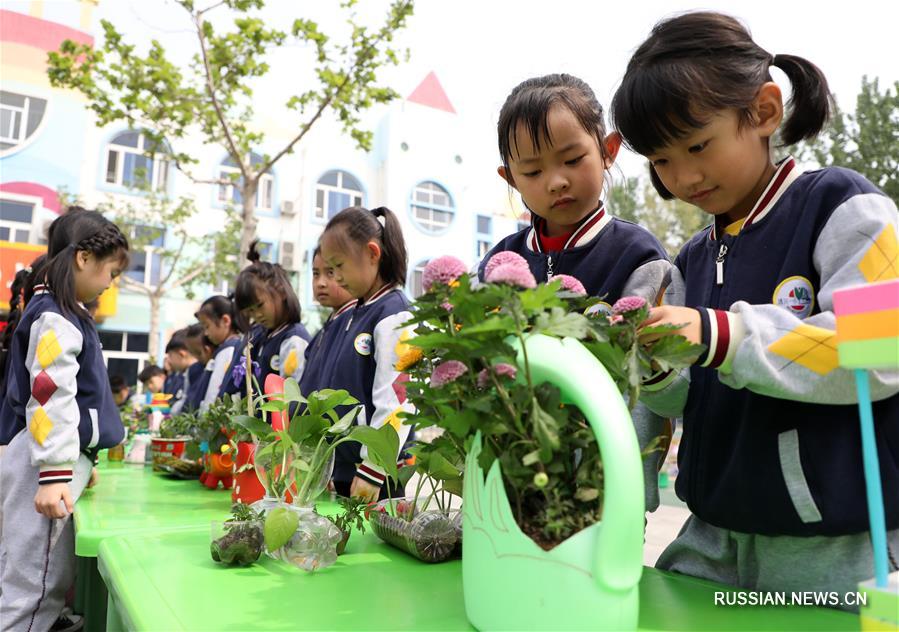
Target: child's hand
(48,497)
(363,490)
(672,315)
(95,477)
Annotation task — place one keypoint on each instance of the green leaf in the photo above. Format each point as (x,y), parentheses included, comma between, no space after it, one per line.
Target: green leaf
(255,427)
(547,430)
(530,458)
(441,469)
(561,323)
(280,525)
(345,422)
(307,427)
(586,494)
(274,406)
(454,486)
(383,445)
(292,391)
(675,352)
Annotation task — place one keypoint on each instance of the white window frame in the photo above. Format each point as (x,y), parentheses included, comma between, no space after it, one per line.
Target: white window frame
(265,191)
(416,288)
(142,357)
(22,113)
(15,227)
(483,241)
(160,172)
(149,251)
(423,211)
(321,211)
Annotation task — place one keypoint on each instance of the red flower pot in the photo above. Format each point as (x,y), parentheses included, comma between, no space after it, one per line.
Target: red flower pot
(247,488)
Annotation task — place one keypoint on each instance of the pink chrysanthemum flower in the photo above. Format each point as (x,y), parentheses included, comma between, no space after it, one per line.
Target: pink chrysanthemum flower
(447,372)
(628,304)
(570,284)
(502,369)
(444,270)
(504,258)
(512,274)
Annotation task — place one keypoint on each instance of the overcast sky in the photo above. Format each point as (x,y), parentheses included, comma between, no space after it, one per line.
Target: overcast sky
(480,49)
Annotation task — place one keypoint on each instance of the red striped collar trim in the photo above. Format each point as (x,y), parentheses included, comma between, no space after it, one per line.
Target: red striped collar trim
(588,229)
(786,173)
(40,289)
(344,308)
(381,293)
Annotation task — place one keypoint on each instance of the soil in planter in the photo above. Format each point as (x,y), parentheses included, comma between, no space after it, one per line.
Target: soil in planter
(570,516)
(242,545)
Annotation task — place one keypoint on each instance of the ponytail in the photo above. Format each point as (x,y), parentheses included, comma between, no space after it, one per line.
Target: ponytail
(360,226)
(810,105)
(262,276)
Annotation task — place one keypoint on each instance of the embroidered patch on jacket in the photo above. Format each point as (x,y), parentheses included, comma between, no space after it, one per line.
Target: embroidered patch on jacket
(40,426)
(290,364)
(362,344)
(796,295)
(275,363)
(815,348)
(881,262)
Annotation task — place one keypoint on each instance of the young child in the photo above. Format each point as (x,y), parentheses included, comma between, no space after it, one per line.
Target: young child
(121,392)
(770,460)
(328,293)
(555,153)
(58,412)
(368,255)
(153,378)
(263,295)
(184,367)
(223,328)
(195,380)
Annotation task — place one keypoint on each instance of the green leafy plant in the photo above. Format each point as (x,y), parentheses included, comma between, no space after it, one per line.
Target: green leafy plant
(350,515)
(243,539)
(465,377)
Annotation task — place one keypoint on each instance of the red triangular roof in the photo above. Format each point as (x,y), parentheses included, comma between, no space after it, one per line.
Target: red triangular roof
(430,93)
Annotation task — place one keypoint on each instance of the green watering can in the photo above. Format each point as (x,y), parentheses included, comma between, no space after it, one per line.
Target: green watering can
(589,581)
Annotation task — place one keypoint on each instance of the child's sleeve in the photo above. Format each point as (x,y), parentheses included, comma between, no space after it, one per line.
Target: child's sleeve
(648,280)
(665,393)
(52,415)
(772,352)
(220,365)
(388,389)
(293,357)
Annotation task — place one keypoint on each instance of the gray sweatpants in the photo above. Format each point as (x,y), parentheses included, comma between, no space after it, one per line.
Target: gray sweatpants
(37,554)
(649,426)
(774,563)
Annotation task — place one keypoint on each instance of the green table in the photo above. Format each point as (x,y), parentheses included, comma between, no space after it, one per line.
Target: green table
(130,499)
(167,581)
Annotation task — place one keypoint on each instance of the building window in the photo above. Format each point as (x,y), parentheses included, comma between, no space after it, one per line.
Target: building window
(134,160)
(20,116)
(432,207)
(125,353)
(335,191)
(483,235)
(16,220)
(417,278)
(231,192)
(146,261)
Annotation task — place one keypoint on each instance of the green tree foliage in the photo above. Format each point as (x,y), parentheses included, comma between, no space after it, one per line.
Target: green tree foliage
(212,96)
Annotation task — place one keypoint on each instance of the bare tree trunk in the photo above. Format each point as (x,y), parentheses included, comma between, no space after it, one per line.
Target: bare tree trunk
(248,232)
(154,327)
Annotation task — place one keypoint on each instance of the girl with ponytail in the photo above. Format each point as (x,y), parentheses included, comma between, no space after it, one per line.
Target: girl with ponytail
(57,414)
(264,297)
(770,459)
(366,250)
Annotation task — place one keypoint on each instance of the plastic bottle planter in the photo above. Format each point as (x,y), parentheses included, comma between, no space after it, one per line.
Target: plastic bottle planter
(313,545)
(589,581)
(247,488)
(236,543)
(430,535)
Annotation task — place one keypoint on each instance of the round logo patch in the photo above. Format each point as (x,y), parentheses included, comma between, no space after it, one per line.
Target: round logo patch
(796,295)
(275,364)
(599,308)
(362,343)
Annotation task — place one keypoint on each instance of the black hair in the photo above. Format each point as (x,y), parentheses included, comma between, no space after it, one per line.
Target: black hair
(207,342)
(530,102)
(21,291)
(317,251)
(117,383)
(78,230)
(217,307)
(360,226)
(698,63)
(193,331)
(262,276)
(178,341)
(149,372)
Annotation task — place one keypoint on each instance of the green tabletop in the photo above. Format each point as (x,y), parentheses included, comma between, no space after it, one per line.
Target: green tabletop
(167,581)
(131,498)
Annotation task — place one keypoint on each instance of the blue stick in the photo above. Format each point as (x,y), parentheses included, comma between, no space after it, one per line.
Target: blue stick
(872,478)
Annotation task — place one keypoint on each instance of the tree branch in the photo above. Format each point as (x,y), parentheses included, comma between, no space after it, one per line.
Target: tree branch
(130,283)
(174,264)
(210,88)
(190,277)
